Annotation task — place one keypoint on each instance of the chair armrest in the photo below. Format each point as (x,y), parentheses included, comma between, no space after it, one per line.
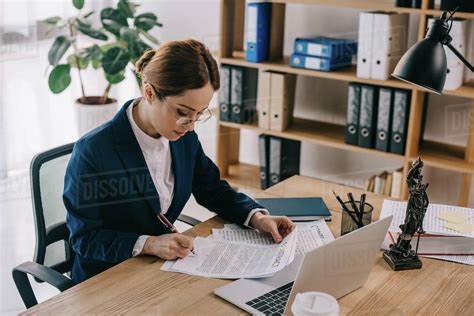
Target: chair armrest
(188,220)
(43,273)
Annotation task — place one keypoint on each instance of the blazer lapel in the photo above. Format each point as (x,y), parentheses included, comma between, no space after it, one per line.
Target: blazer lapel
(133,160)
(177,166)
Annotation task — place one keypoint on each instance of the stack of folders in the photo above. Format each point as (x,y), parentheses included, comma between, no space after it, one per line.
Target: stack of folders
(275,100)
(377,117)
(238,94)
(386,183)
(382,42)
(264,24)
(323,53)
(455,70)
(279,159)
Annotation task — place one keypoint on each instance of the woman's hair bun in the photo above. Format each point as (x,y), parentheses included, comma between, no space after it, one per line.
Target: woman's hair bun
(144,60)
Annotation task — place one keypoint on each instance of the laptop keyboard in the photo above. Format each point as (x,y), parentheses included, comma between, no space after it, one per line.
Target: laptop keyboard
(274,302)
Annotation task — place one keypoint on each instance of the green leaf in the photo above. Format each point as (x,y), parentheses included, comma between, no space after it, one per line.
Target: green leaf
(59,78)
(115,60)
(79,4)
(142,47)
(93,52)
(113,20)
(114,79)
(52,20)
(150,37)
(126,8)
(72,60)
(91,32)
(96,63)
(128,35)
(105,48)
(145,21)
(84,22)
(59,48)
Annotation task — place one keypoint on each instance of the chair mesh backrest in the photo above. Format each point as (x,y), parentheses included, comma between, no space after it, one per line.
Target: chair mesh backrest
(51,179)
(47,183)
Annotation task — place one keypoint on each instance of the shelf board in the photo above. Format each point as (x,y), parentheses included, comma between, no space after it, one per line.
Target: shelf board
(346,74)
(437,13)
(465,91)
(373,5)
(444,156)
(326,134)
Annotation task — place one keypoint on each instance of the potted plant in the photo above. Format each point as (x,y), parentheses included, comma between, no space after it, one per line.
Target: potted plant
(121,39)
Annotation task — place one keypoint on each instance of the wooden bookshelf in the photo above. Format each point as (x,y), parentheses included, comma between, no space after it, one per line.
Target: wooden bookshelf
(346,74)
(447,157)
(321,133)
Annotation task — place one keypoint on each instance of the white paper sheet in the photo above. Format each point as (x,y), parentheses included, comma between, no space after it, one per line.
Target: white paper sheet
(431,223)
(243,235)
(232,260)
(311,235)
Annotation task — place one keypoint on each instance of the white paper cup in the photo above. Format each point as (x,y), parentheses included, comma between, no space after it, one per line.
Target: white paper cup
(315,304)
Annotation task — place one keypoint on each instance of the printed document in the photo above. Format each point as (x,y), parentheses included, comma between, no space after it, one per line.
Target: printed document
(232,260)
(311,235)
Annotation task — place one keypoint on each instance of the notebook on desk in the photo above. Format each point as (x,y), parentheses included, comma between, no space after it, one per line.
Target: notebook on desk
(297,209)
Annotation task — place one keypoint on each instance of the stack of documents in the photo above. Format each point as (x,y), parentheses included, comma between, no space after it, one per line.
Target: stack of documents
(449,231)
(235,252)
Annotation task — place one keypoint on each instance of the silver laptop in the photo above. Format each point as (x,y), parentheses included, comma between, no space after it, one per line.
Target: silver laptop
(336,268)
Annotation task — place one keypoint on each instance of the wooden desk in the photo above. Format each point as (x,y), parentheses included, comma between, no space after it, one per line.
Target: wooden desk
(137,286)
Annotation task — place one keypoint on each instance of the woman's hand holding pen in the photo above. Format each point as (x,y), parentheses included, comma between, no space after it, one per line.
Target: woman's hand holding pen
(277,226)
(168,246)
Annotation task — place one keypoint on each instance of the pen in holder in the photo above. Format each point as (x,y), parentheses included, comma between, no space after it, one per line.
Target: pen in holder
(353,218)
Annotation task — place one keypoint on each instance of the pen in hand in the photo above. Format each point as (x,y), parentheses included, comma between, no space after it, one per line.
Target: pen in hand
(171,228)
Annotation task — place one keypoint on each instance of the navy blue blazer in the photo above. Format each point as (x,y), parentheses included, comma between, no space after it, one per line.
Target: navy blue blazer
(111,199)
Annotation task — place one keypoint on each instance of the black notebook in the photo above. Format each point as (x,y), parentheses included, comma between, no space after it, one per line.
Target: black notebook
(297,209)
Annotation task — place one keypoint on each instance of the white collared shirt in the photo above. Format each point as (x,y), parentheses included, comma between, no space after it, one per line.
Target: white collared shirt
(157,155)
(158,160)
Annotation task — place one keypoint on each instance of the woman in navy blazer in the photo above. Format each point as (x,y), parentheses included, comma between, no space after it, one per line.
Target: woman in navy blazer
(112,199)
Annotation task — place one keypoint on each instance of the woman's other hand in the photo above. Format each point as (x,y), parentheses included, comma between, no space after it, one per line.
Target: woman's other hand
(277,226)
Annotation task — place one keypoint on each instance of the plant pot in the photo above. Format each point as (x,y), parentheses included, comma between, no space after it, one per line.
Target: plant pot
(90,113)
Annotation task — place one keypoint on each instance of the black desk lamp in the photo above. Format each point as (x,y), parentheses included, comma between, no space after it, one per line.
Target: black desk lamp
(424,64)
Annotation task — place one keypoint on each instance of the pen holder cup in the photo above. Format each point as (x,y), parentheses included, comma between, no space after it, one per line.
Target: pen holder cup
(352,220)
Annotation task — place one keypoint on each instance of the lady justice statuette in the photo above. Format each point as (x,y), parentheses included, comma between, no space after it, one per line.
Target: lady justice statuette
(401,256)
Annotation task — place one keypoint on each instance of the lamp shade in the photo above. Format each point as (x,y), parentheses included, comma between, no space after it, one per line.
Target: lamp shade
(424,65)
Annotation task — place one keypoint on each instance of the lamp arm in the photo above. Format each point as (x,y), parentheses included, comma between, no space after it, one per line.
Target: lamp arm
(461,57)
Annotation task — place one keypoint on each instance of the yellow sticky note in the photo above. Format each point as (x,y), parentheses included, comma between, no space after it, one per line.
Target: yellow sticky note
(453,217)
(465,228)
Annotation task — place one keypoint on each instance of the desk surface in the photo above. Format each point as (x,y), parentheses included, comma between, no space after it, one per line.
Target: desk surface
(138,286)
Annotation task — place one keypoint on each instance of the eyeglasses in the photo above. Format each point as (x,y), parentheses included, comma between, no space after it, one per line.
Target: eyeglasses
(183,120)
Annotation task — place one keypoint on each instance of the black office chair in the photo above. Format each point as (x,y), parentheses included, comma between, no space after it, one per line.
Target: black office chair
(53,255)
